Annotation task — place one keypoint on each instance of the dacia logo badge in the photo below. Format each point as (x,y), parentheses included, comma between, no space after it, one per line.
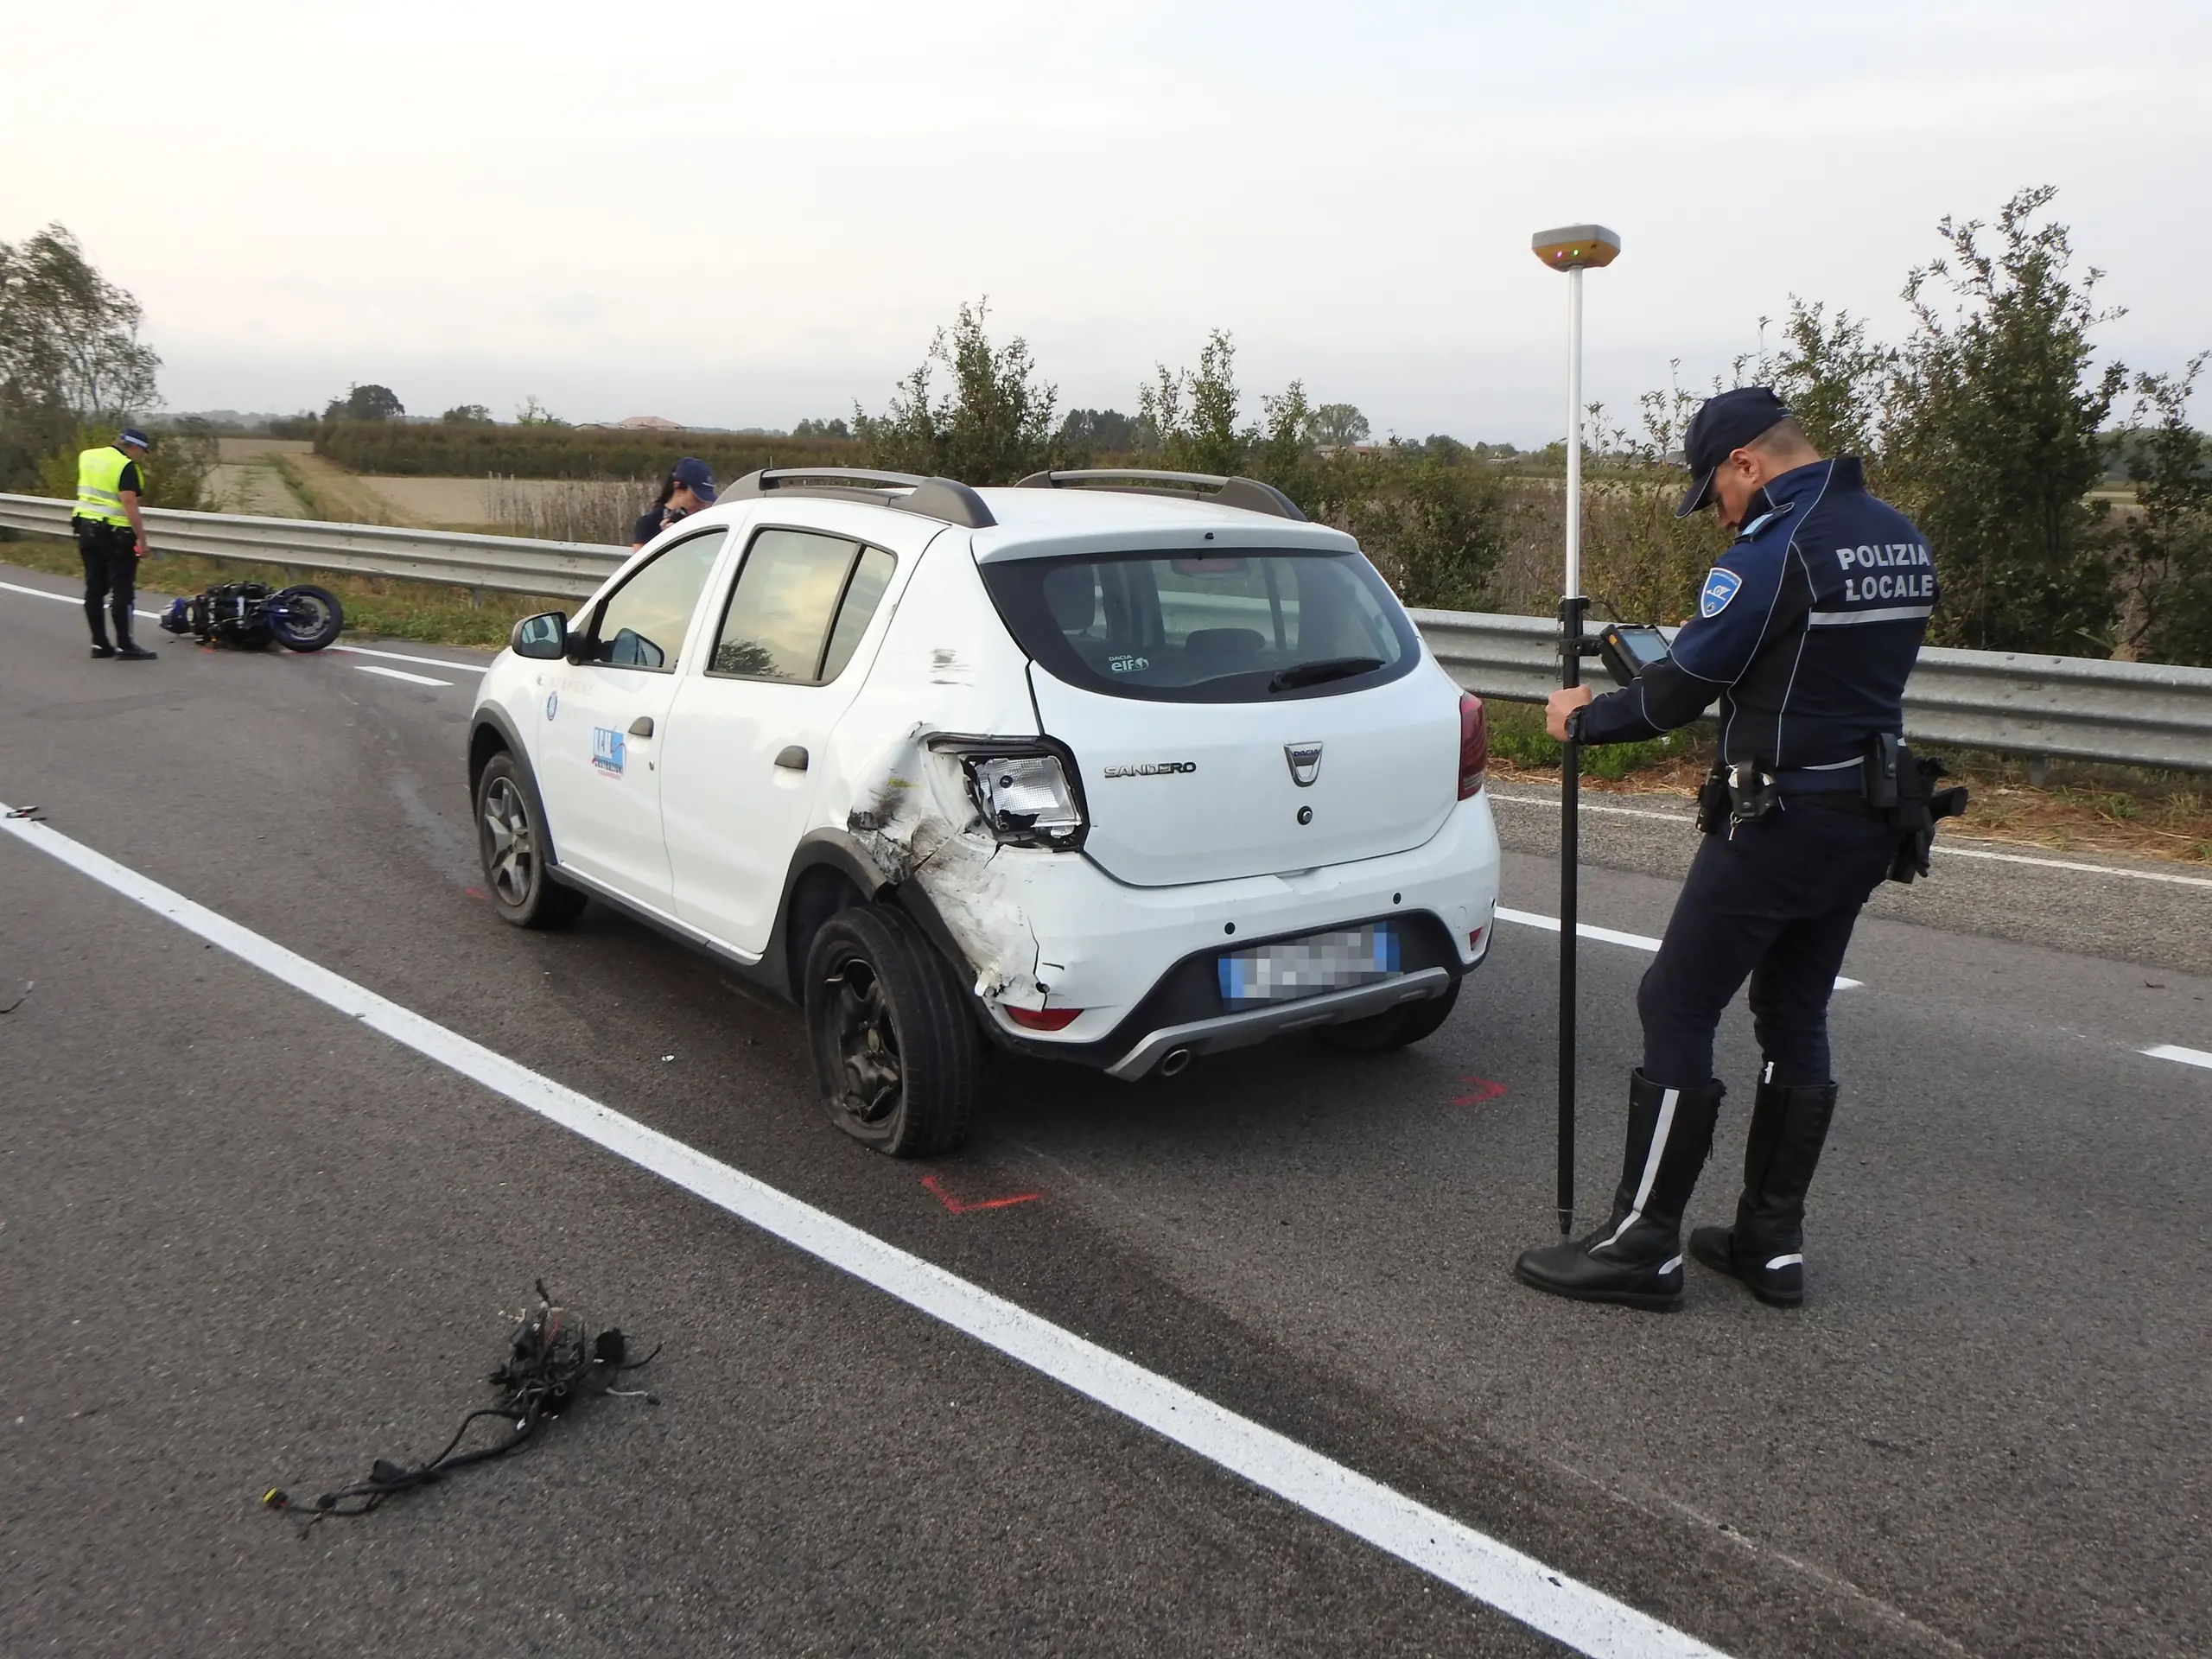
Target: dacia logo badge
(1305,762)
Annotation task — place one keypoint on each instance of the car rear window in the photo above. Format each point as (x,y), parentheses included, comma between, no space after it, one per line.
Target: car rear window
(1207,627)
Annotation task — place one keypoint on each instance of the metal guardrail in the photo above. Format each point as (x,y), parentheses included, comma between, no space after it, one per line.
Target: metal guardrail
(2076,708)
(504,565)
(2140,713)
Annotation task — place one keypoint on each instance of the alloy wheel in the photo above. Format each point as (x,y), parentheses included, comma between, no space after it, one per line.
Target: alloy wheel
(867,1044)
(510,859)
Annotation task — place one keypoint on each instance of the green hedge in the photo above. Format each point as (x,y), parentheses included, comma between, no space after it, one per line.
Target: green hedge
(457,451)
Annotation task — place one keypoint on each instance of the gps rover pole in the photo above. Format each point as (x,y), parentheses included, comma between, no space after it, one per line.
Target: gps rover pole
(1573,249)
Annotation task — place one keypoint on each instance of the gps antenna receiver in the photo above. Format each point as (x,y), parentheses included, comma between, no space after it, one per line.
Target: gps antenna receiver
(1573,249)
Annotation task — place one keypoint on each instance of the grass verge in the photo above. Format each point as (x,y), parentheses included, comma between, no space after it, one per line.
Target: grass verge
(2081,806)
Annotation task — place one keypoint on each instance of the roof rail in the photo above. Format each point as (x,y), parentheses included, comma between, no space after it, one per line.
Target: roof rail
(930,498)
(1249,493)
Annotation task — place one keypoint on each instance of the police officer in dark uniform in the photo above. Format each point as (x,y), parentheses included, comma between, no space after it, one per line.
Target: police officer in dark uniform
(1805,632)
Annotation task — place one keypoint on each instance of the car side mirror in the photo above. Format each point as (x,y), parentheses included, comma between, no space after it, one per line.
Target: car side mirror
(545,636)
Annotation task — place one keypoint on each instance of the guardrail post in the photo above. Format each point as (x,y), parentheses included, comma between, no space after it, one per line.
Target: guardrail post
(2039,771)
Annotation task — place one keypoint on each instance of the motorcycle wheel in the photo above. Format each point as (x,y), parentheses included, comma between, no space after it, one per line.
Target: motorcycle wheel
(304,618)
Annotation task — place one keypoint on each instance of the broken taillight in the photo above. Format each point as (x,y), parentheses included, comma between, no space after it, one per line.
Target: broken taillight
(1026,790)
(1474,744)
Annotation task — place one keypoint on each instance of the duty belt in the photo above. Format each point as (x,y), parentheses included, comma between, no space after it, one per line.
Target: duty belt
(1847,779)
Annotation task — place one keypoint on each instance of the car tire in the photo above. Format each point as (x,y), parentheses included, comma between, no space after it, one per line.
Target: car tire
(895,1048)
(510,843)
(1396,1028)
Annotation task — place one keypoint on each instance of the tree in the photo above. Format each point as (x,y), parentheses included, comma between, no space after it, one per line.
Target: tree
(2164,554)
(360,402)
(1093,431)
(69,353)
(1835,383)
(1190,418)
(1993,434)
(994,427)
(1433,523)
(829,429)
(69,337)
(1280,451)
(1436,528)
(468,415)
(532,412)
(1336,425)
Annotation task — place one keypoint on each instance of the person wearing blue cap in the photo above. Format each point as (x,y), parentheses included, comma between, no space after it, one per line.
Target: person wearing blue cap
(689,486)
(1805,631)
(112,538)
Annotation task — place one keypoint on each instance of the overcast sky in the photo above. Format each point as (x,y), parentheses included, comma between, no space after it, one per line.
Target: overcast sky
(743,215)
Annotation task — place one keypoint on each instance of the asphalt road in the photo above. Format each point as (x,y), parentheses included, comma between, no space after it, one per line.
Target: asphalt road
(245,1241)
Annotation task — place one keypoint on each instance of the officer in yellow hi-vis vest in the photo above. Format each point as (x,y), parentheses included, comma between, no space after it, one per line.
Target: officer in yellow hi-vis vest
(111,537)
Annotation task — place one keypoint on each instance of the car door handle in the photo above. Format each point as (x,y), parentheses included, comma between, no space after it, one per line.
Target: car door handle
(793,759)
(642,726)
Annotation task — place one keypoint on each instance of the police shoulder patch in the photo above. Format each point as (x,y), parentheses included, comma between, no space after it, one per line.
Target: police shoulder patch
(1720,587)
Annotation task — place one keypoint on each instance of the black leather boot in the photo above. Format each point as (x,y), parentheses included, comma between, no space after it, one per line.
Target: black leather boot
(1635,1258)
(1766,1247)
(100,647)
(129,650)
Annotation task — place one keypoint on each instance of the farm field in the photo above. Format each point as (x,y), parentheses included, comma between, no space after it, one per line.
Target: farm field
(283,477)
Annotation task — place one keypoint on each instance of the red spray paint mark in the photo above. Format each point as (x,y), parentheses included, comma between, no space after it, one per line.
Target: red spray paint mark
(1483,1090)
(477,892)
(962,1207)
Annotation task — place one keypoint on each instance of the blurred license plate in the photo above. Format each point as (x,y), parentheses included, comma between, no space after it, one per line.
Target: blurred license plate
(1319,962)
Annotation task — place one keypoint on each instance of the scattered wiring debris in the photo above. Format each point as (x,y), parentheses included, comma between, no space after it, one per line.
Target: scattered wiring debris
(549,1367)
(28,985)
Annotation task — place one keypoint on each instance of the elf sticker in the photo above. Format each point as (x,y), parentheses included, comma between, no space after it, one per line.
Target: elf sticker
(1720,587)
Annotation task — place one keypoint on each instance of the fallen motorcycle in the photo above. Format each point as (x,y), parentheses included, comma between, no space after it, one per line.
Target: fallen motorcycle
(249,615)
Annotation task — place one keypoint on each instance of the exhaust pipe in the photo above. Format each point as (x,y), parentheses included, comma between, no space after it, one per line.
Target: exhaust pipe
(1175,1060)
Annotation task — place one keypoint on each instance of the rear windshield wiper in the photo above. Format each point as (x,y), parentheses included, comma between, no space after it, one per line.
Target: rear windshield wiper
(1329,668)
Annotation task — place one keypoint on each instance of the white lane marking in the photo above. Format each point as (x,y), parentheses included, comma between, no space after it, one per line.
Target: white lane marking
(1610,936)
(41,592)
(1587,806)
(1518,1586)
(1943,847)
(2186,1056)
(402,657)
(398,674)
(1582,929)
(68,599)
(2068,864)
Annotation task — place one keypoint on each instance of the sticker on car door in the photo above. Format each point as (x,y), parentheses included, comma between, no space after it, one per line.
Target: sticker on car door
(607,745)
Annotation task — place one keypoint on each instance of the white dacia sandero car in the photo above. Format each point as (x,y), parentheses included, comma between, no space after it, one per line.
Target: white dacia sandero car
(1114,768)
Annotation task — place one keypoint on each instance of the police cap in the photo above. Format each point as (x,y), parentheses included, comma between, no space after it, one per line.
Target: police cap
(697,477)
(1724,423)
